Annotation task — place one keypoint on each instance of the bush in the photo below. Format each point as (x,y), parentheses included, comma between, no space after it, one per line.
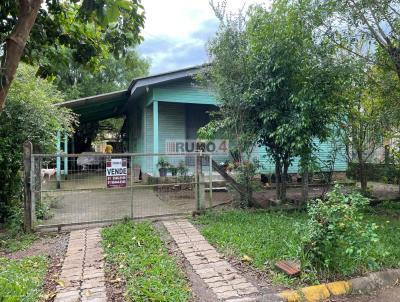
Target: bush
(375,172)
(337,239)
(246,172)
(29,114)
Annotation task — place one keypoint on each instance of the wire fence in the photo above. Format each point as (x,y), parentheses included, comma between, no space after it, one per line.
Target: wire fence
(93,187)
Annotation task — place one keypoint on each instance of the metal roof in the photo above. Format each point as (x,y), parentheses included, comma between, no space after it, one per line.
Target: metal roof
(103,106)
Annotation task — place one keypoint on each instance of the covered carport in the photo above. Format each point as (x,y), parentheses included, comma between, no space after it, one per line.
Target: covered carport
(89,110)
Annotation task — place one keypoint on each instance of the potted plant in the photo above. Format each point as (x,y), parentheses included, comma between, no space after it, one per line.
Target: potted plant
(162,165)
(173,170)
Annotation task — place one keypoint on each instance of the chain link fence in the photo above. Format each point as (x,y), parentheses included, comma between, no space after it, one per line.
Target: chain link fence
(93,187)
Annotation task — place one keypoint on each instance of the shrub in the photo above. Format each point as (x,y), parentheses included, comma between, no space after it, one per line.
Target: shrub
(246,172)
(29,114)
(337,239)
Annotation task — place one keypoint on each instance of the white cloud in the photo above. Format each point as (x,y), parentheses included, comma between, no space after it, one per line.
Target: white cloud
(176,31)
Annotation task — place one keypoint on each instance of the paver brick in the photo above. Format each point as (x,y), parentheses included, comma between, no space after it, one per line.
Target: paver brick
(222,288)
(227,294)
(248,291)
(72,295)
(82,269)
(93,283)
(217,273)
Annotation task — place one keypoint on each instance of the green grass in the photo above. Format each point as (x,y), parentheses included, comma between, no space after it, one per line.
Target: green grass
(263,236)
(11,241)
(22,280)
(267,237)
(140,257)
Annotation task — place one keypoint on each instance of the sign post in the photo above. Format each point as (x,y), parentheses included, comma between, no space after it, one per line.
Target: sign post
(116,173)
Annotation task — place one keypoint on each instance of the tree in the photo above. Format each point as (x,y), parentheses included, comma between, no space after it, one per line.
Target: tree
(113,74)
(288,84)
(54,32)
(367,121)
(228,78)
(29,115)
(375,23)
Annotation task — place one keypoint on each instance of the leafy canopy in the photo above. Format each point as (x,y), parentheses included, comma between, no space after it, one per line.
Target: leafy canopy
(29,115)
(78,32)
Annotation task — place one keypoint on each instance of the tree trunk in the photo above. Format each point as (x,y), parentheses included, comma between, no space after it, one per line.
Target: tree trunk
(362,172)
(278,175)
(15,45)
(284,180)
(304,187)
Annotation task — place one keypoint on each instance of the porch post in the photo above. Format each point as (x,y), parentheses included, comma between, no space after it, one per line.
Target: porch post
(66,152)
(155,137)
(58,161)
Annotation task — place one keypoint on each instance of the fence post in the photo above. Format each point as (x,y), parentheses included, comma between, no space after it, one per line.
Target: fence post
(210,186)
(27,154)
(131,162)
(199,184)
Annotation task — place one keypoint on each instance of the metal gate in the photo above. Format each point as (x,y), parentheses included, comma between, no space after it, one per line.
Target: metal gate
(68,189)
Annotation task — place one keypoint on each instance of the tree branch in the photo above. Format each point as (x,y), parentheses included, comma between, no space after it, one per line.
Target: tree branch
(15,45)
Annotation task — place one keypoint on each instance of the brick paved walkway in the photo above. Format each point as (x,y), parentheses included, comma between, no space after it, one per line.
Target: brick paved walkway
(225,281)
(82,276)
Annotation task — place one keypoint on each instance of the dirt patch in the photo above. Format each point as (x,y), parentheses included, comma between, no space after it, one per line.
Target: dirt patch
(200,291)
(52,246)
(258,277)
(115,285)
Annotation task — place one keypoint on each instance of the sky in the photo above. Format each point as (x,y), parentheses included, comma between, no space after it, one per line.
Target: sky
(176,31)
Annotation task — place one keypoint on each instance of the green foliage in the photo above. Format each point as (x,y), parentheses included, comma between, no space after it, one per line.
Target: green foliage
(338,240)
(182,169)
(44,206)
(113,74)
(77,32)
(267,237)
(163,163)
(173,170)
(29,115)
(13,240)
(22,280)
(246,171)
(277,84)
(141,258)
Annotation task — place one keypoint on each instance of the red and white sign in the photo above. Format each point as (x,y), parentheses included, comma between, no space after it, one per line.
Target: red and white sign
(116,173)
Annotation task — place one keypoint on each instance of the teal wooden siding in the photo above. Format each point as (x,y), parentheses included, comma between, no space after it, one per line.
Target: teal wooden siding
(183,92)
(182,108)
(323,155)
(172,123)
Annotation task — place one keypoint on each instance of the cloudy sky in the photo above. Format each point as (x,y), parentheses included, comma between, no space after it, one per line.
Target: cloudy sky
(176,31)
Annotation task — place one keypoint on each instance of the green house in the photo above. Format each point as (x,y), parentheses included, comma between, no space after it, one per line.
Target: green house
(170,106)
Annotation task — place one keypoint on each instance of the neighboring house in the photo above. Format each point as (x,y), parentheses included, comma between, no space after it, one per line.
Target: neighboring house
(168,106)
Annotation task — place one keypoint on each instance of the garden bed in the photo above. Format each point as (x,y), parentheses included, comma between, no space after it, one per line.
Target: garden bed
(266,237)
(137,256)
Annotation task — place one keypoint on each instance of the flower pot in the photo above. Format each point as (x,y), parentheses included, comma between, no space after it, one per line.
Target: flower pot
(163,172)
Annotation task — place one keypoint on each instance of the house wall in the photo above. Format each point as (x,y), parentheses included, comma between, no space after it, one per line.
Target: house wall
(324,155)
(183,91)
(182,110)
(172,125)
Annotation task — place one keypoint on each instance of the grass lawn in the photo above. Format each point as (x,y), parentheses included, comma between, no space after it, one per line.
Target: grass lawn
(138,253)
(268,236)
(14,241)
(22,280)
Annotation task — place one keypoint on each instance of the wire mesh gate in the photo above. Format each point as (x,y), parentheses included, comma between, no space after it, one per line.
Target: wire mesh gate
(92,187)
